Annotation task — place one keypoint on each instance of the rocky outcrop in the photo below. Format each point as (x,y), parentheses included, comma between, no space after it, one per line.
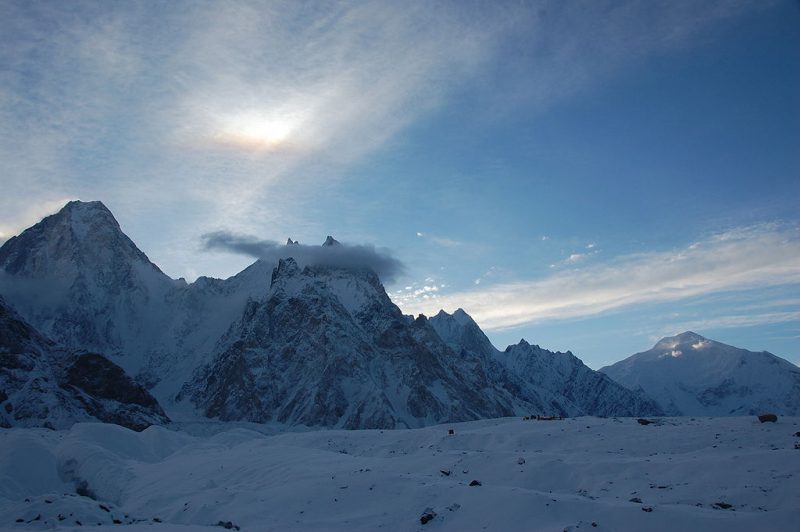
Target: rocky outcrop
(570,387)
(46,385)
(327,346)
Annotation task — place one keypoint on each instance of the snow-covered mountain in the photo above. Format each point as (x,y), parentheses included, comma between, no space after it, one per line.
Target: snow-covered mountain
(314,345)
(45,385)
(691,375)
(81,281)
(563,377)
(326,346)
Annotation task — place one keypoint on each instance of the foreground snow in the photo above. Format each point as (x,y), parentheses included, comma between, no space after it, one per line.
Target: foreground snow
(534,475)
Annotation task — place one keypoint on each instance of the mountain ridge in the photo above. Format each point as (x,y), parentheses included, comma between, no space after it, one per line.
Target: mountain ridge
(317,345)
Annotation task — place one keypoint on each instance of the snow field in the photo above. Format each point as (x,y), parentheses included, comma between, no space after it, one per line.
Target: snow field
(534,475)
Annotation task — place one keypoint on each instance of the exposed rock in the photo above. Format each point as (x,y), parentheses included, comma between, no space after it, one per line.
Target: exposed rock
(475,483)
(318,346)
(427,516)
(771,418)
(560,382)
(48,386)
(326,346)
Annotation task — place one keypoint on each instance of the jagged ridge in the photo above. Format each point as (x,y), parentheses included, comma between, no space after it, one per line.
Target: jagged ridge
(571,387)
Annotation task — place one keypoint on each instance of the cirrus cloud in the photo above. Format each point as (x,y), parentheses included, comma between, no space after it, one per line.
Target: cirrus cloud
(741,258)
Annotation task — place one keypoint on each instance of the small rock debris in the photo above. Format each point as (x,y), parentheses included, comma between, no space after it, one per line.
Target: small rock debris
(427,516)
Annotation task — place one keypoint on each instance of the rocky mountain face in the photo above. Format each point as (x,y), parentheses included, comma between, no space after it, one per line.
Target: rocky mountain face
(572,386)
(45,385)
(328,347)
(81,281)
(314,345)
(694,376)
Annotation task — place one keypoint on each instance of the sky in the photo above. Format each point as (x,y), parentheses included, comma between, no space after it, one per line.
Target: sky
(589,176)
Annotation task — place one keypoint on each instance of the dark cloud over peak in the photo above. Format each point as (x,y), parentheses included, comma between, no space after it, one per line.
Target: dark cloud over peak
(332,253)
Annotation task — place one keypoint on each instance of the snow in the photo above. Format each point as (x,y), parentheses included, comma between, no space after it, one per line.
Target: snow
(534,475)
(691,375)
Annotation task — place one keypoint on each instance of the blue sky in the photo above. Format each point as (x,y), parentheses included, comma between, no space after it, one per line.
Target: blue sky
(586,175)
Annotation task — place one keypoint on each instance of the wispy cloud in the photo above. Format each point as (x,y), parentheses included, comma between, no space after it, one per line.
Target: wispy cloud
(212,113)
(749,257)
(440,240)
(737,321)
(576,258)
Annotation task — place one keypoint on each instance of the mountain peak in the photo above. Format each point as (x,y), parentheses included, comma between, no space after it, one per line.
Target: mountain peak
(689,375)
(459,316)
(290,242)
(462,317)
(85,206)
(687,337)
(330,241)
(82,232)
(89,217)
(286,268)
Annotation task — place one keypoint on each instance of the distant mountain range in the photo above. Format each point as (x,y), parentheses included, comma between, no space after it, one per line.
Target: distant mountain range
(310,345)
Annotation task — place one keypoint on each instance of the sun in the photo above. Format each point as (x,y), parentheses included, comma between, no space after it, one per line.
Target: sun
(258,131)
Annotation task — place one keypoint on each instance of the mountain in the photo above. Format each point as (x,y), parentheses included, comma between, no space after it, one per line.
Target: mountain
(45,385)
(82,282)
(326,346)
(571,384)
(314,345)
(461,333)
(693,376)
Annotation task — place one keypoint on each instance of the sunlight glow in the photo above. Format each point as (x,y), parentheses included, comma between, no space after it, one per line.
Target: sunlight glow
(258,131)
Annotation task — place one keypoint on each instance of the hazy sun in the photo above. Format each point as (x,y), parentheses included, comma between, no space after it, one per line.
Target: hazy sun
(258,131)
